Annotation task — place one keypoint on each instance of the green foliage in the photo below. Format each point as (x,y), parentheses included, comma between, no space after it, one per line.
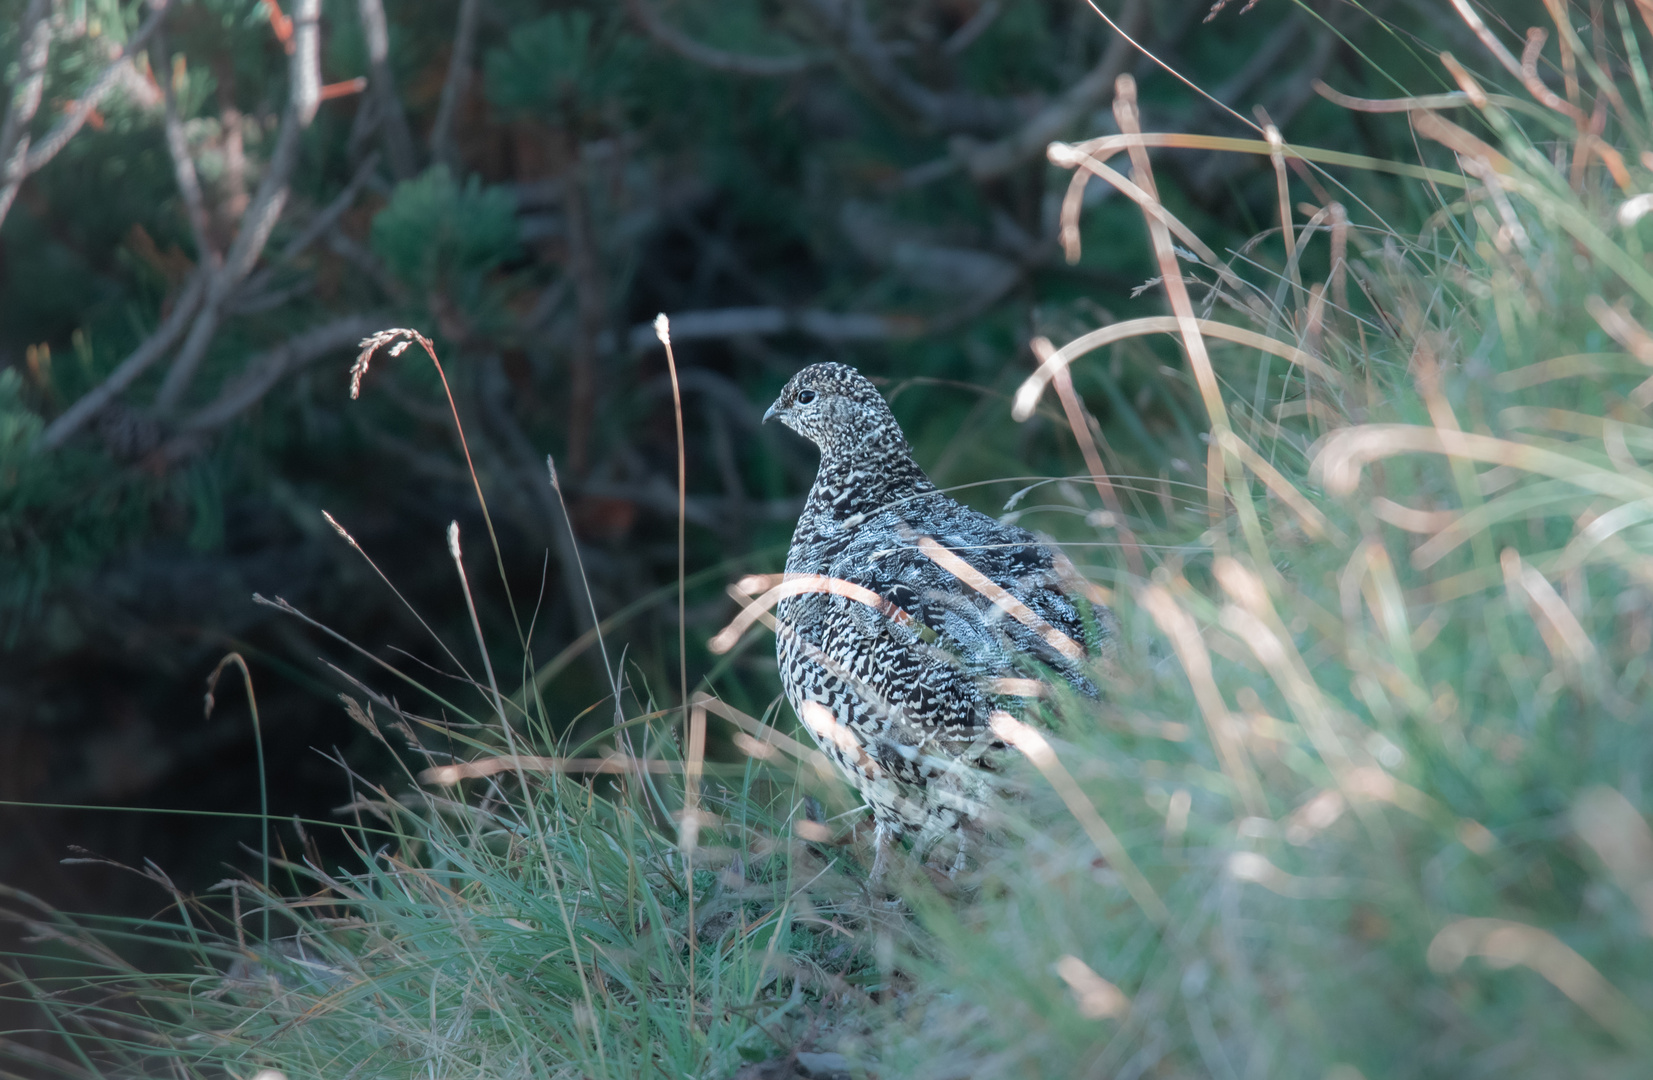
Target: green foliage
(435,228)
(545,930)
(562,64)
(46,541)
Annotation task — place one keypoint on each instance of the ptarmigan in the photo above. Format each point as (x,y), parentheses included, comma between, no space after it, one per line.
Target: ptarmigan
(897,666)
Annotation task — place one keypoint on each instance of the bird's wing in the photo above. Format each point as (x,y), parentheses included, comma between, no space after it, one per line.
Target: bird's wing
(1007,606)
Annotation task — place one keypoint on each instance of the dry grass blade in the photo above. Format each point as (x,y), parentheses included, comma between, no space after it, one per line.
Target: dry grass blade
(768,736)
(621,764)
(689,828)
(826,727)
(1000,598)
(1080,423)
(797,585)
(1567,640)
(1253,619)
(1620,837)
(402,337)
(1184,635)
(1176,289)
(476,625)
(1067,157)
(1622,328)
(1338,464)
(1108,145)
(1314,522)
(1277,158)
(1028,394)
(1507,943)
(1452,100)
(1038,750)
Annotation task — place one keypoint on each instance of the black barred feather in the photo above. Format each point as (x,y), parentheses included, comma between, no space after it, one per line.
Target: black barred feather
(914,697)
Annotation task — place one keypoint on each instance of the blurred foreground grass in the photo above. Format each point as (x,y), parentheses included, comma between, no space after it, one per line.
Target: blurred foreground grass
(1376,739)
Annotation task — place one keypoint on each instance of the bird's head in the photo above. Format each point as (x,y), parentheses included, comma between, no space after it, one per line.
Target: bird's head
(839,410)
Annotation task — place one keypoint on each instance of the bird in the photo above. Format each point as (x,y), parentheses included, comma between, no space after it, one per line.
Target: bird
(919,619)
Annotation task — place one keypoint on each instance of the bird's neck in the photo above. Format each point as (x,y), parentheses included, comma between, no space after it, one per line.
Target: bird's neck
(857,482)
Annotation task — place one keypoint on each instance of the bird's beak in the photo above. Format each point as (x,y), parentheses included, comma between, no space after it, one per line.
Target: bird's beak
(774,411)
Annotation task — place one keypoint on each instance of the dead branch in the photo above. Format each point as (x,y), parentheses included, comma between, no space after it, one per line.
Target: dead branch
(136,363)
(183,163)
(1265,61)
(442,147)
(36,37)
(261,373)
(393,122)
(351,250)
(304,97)
(312,231)
(870,65)
(655,26)
(995,159)
(208,290)
(973,28)
(119,65)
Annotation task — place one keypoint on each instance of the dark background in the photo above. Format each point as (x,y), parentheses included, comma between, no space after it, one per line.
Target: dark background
(598,163)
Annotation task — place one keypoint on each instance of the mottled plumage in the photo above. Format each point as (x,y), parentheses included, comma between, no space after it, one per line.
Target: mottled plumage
(903,705)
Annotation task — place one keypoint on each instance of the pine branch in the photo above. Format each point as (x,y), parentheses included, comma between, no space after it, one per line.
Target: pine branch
(262,372)
(36,38)
(871,65)
(995,159)
(304,97)
(655,26)
(137,362)
(183,164)
(73,120)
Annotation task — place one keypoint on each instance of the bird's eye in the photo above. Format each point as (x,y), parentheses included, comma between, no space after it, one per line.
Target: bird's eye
(805,397)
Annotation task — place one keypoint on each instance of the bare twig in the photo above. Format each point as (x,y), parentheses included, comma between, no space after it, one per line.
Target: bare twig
(303,98)
(36,37)
(974,27)
(318,226)
(261,373)
(995,159)
(183,163)
(871,65)
(393,122)
(206,292)
(136,363)
(442,147)
(66,128)
(655,26)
